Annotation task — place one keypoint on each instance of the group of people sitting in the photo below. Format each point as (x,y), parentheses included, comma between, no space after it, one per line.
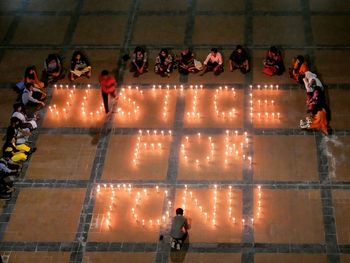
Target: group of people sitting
(166,62)
(32,94)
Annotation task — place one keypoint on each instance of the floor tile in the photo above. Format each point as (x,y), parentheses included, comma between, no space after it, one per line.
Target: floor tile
(10,5)
(340,108)
(228,114)
(107,5)
(156,108)
(39,257)
(115,220)
(289,258)
(329,31)
(281,213)
(159,5)
(341,202)
(39,201)
(91,25)
(276,6)
(165,30)
(279,30)
(212,217)
(329,74)
(211,157)
(5,22)
(110,257)
(77,152)
(275,158)
(150,77)
(51,5)
(41,30)
(225,77)
(337,150)
(220,6)
(204,257)
(71,107)
(344,258)
(329,5)
(7,99)
(232,32)
(277,108)
(149,163)
(12,66)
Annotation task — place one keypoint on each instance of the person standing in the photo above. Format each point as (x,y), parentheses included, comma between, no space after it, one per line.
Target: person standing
(108,86)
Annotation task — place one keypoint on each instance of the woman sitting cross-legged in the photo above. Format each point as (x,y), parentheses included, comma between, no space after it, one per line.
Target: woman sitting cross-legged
(273,62)
(139,61)
(26,122)
(80,66)
(164,63)
(187,62)
(239,60)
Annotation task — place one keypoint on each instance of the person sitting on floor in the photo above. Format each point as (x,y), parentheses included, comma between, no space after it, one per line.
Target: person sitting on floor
(317,121)
(19,152)
(29,99)
(179,229)
(26,122)
(31,76)
(187,62)
(213,62)
(14,130)
(239,60)
(53,69)
(273,62)
(139,61)
(80,66)
(311,81)
(298,69)
(164,63)
(315,98)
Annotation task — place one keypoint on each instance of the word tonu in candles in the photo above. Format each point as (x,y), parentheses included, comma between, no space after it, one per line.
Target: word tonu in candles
(114,193)
(234,147)
(263,107)
(149,142)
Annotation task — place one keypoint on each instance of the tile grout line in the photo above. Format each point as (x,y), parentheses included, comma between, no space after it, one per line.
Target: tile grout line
(101,151)
(330,231)
(247,254)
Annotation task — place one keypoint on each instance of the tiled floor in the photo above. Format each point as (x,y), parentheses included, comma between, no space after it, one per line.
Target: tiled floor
(103,189)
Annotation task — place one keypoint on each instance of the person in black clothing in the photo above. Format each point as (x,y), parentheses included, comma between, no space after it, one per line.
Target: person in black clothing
(186,63)
(53,68)
(139,61)
(239,60)
(80,66)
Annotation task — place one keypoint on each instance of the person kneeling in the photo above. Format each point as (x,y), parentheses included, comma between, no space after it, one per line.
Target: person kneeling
(179,229)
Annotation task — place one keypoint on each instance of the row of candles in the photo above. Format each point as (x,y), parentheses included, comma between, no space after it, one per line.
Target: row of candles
(231,149)
(188,199)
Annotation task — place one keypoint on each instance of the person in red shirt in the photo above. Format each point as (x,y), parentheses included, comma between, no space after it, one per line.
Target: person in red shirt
(108,86)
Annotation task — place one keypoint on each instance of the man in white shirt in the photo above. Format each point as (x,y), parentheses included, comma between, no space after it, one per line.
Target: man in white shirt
(213,62)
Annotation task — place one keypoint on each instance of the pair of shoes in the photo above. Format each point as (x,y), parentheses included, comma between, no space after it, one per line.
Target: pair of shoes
(173,244)
(304,124)
(178,246)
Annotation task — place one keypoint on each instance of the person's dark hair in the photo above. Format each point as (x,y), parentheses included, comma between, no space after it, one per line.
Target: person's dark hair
(179,211)
(139,49)
(51,57)
(6,155)
(214,49)
(27,71)
(165,51)
(104,72)
(239,47)
(273,49)
(301,59)
(76,53)
(14,120)
(17,105)
(29,85)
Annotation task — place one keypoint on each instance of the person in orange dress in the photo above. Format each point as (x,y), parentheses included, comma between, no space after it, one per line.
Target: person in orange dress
(317,121)
(298,69)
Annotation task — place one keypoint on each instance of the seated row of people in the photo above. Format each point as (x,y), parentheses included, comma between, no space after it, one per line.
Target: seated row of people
(16,148)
